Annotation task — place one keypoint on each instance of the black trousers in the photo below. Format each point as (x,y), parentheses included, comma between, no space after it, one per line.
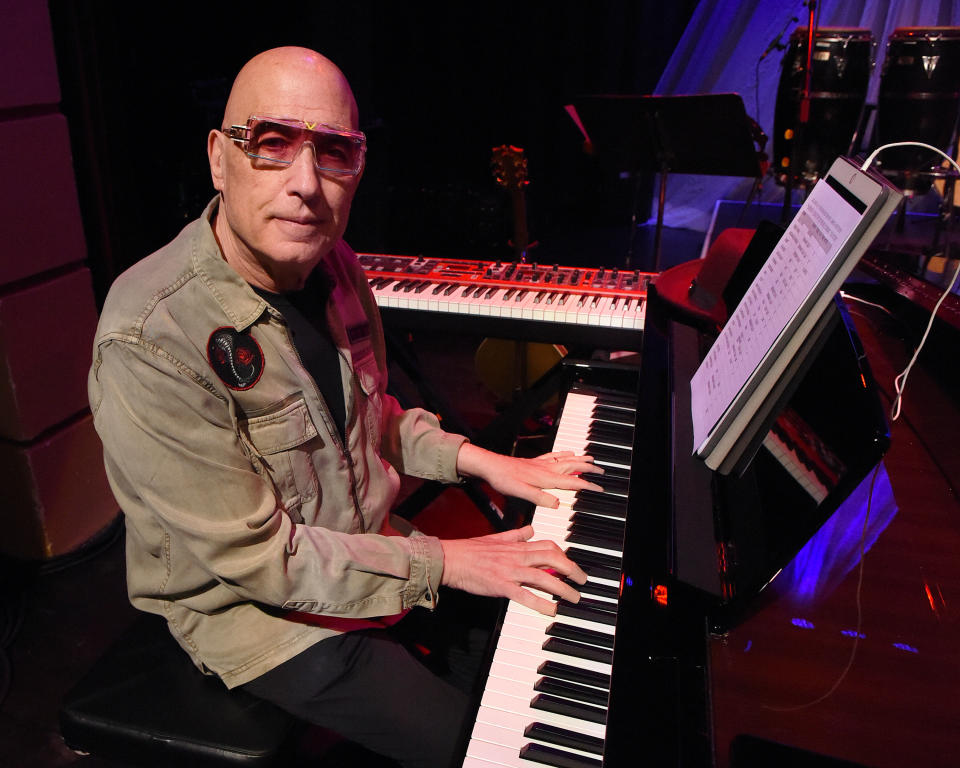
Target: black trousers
(403,692)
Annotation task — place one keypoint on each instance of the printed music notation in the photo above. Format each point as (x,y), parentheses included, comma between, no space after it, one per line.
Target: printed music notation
(838,220)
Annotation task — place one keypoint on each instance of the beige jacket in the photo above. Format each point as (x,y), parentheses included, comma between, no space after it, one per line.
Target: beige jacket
(250,526)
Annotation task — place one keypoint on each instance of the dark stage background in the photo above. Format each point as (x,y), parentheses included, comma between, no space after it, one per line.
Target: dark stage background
(438,84)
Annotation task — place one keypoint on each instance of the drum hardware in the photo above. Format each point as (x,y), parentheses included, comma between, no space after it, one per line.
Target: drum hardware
(840,63)
(919,100)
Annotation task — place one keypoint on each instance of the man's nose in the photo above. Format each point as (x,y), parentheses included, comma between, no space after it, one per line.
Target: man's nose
(304,174)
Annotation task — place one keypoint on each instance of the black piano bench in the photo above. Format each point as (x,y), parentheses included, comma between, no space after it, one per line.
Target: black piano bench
(145,703)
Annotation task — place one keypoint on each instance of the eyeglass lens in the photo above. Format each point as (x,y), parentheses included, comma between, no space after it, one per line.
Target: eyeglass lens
(282,143)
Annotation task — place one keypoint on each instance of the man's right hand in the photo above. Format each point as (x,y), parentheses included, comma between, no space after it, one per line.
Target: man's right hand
(505,564)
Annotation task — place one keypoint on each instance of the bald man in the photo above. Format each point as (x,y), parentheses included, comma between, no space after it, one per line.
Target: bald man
(239,389)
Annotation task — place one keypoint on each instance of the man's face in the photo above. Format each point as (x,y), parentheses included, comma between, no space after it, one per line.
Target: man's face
(277,221)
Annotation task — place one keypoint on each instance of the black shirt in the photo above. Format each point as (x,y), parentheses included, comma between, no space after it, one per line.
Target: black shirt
(305,312)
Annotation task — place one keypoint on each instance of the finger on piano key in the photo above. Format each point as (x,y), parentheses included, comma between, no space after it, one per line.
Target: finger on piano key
(524,616)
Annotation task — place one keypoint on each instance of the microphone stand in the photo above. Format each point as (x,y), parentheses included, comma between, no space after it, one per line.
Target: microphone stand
(804,116)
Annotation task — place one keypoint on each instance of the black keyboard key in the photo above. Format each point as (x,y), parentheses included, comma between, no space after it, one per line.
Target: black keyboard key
(595,589)
(610,454)
(616,415)
(570,632)
(615,505)
(559,706)
(563,671)
(598,527)
(585,557)
(564,738)
(592,540)
(538,753)
(586,612)
(581,693)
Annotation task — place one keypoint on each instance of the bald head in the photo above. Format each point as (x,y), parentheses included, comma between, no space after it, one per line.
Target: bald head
(294,80)
(276,221)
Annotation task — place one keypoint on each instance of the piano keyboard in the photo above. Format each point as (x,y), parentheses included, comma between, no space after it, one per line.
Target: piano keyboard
(527,301)
(546,695)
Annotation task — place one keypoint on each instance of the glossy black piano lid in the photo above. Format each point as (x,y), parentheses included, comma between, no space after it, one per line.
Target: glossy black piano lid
(700,547)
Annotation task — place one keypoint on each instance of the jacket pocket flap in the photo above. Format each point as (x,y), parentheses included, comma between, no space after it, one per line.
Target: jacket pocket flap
(282,429)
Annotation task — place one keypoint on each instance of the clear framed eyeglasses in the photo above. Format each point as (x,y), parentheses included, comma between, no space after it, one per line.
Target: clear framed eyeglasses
(280,139)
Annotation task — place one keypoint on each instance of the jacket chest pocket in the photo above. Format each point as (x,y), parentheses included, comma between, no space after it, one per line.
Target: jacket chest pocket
(284,438)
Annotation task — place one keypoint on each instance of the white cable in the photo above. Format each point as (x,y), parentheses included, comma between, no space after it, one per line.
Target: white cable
(900,382)
(873,155)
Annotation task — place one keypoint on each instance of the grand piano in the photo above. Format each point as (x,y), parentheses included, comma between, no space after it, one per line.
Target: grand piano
(712,663)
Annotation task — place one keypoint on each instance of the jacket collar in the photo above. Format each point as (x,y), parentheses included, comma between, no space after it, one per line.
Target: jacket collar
(238,300)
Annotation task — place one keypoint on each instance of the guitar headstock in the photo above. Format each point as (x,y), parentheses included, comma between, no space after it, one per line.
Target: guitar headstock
(509,167)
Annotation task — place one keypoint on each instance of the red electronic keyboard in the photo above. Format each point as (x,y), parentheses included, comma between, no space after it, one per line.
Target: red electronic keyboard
(528,301)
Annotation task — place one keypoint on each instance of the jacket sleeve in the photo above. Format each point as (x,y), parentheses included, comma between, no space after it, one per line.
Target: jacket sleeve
(206,520)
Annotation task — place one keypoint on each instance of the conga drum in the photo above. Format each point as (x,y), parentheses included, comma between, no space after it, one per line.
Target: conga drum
(919,100)
(840,72)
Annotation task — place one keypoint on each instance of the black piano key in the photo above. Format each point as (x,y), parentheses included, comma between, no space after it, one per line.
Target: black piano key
(401,284)
(559,706)
(618,434)
(592,588)
(610,483)
(600,572)
(600,502)
(538,753)
(586,612)
(604,516)
(600,525)
(479,291)
(509,293)
(616,415)
(585,557)
(466,291)
(422,286)
(577,650)
(521,295)
(564,738)
(594,525)
(563,671)
(411,284)
(450,289)
(593,540)
(580,634)
(591,506)
(602,453)
(581,693)
(610,398)
(489,294)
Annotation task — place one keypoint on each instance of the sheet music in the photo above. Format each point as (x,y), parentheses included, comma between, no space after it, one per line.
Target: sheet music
(805,252)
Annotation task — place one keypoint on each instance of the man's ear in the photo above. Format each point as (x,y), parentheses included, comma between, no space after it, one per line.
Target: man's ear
(215,142)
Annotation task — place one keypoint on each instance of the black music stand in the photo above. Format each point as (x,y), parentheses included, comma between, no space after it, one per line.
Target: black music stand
(706,134)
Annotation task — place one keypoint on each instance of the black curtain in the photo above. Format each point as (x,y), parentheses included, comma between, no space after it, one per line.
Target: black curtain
(438,84)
